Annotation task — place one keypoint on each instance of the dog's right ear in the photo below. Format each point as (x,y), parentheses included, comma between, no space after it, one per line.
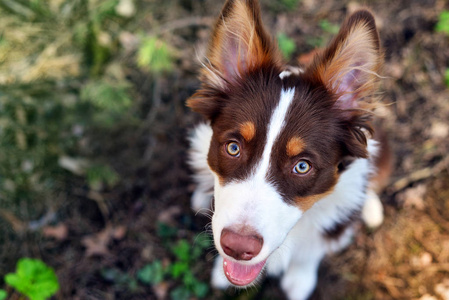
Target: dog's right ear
(239,45)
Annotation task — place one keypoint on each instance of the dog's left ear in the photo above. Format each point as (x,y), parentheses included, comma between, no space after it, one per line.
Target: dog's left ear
(349,68)
(239,45)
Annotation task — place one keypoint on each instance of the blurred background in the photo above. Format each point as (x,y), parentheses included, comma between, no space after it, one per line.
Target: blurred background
(93,126)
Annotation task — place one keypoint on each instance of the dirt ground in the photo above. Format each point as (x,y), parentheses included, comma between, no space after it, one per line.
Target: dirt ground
(406,258)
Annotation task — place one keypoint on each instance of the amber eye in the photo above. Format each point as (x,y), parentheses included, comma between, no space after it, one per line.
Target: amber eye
(233,149)
(302,167)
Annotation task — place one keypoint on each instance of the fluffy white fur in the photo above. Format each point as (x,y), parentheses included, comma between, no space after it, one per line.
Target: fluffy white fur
(199,147)
(293,240)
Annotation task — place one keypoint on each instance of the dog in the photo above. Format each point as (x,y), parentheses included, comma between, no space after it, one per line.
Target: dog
(287,154)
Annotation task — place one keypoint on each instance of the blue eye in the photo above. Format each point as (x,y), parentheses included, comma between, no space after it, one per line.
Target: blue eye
(302,167)
(233,149)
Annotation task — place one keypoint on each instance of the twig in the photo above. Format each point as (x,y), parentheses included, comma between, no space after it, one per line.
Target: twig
(420,175)
(182,23)
(431,268)
(20,226)
(391,284)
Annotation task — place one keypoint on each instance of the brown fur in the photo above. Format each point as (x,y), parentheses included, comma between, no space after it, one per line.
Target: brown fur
(305,203)
(324,125)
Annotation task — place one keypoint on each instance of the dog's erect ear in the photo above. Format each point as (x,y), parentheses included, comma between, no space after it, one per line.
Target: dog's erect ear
(349,66)
(239,45)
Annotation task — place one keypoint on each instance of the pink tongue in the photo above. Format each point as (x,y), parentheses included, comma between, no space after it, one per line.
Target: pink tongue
(239,274)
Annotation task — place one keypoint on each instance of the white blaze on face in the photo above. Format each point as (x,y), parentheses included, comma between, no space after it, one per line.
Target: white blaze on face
(255,202)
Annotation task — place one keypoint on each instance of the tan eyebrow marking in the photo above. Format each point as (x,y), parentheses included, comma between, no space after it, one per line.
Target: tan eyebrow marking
(295,146)
(248,130)
(305,203)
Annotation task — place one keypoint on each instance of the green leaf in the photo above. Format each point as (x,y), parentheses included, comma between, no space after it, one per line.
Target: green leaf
(290,4)
(165,231)
(200,289)
(201,242)
(34,279)
(443,22)
(96,175)
(446,77)
(180,293)
(155,55)
(179,268)
(329,27)
(151,273)
(107,96)
(119,278)
(189,279)
(3,294)
(286,45)
(182,250)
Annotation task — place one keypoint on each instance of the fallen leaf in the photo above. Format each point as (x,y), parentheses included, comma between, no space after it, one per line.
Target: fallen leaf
(17,225)
(119,232)
(428,297)
(439,130)
(414,197)
(168,215)
(125,8)
(442,289)
(58,232)
(161,290)
(97,244)
(75,165)
(422,261)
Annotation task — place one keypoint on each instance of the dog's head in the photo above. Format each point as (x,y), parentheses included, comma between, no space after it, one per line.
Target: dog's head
(281,138)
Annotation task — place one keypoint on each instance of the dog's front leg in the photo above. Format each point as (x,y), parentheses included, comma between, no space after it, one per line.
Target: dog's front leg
(300,279)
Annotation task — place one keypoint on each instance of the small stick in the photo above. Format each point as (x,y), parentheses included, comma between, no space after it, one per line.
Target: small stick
(420,175)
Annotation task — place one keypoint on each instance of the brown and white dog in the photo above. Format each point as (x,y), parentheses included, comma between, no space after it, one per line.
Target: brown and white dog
(287,153)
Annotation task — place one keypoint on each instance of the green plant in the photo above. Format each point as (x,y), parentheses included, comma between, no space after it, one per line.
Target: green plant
(152,273)
(121,279)
(155,55)
(34,279)
(99,174)
(55,89)
(3,294)
(182,269)
(443,22)
(286,45)
(446,77)
(328,29)
(290,4)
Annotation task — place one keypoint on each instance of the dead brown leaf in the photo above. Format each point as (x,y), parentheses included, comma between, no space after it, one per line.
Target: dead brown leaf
(168,215)
(442,289)
(161,290)
(58,232)
(119,232)
(97,244)
(414,197)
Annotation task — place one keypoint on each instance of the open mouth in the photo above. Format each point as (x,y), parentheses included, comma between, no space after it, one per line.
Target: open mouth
(239,274)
